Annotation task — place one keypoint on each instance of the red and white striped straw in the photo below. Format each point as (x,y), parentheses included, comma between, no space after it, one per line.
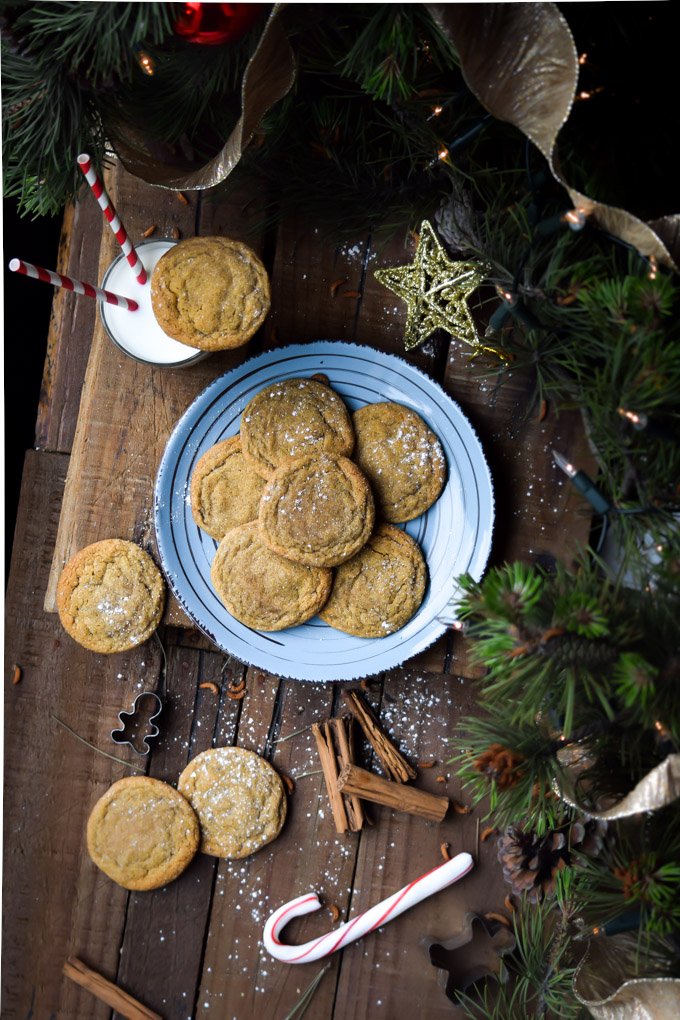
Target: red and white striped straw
(107,207)
(68,283)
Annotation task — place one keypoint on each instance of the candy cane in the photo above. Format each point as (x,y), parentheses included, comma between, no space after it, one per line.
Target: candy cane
(68,283)
(107,207)
(428,884)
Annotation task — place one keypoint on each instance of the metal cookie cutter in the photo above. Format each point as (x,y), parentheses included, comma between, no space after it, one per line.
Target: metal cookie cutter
(137,726)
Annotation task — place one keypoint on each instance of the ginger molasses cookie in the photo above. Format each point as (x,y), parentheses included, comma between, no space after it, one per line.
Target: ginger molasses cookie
(210,292)
(142,833)
(238,797)
(292,418)
(379,589)
(263,590)
(401,457)
(110,596)
(317,510)
(225,491)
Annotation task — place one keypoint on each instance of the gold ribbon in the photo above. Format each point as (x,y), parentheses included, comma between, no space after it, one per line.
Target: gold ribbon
(268,77)
(520,61)
(658,788)
(600,983)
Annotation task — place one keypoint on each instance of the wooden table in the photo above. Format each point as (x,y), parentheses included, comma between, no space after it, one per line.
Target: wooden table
(194,948)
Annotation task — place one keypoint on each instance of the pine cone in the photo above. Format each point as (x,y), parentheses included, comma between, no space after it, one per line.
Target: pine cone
(531,862)
(500,764)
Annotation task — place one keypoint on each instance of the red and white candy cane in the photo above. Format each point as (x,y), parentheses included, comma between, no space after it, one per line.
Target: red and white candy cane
(428,884)
(68,283)
(107,207)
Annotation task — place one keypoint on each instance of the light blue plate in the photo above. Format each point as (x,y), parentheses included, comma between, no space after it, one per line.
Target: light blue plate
(454,535)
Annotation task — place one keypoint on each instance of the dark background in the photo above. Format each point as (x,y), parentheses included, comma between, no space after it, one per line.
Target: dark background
(27,305)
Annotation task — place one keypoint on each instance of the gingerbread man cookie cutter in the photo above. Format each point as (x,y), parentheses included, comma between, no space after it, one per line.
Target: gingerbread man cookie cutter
(138,726)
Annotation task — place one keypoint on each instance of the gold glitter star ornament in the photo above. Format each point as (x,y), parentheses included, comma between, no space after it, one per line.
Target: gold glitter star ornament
(435,290)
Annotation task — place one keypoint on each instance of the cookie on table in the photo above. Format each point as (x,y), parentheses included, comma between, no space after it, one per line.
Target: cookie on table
(291,418)
(210,292)
(401,457)
(225,491)
(239,799)
(142,833)
(317,510)
(110,596)
(378,590)
(263,590)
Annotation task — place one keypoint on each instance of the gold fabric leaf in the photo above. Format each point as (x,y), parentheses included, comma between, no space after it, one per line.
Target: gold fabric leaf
(521,62)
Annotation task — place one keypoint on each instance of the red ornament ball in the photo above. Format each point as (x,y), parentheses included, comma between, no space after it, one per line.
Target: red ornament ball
(213,24)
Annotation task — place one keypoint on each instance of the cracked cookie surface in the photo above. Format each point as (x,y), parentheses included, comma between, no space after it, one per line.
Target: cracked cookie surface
(317,510)
(210,292)
(263,590)
(142,833)
(401,457)
(225,490)
(292,418)
(239,799)
(110,596)
(378,590)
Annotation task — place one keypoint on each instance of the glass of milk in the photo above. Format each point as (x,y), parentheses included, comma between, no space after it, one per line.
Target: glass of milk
(137,333)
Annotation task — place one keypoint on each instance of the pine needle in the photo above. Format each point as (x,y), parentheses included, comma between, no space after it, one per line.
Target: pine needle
(82,740)
(300,1007)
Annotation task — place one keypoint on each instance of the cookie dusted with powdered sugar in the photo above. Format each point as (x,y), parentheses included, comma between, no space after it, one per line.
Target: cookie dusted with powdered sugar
(261,589)
(210,292)
(142,833)
(239,799)
(225,490)
(110,596)
(402,459)
(378,590)
(317,510)
(292,418)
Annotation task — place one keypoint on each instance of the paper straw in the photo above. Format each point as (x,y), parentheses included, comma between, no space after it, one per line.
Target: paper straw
(107,207)
(416,891)
(77,286)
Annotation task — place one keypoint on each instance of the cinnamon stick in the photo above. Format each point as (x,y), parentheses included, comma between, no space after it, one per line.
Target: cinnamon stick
(394,795)
(106,991)
(343,743)
(390,757)
(324,744)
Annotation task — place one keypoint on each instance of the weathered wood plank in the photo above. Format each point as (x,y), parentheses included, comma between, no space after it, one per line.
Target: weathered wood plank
(162,948)
(71,324)
(388,973)
(239,978)
(56,902)
(310,276)
(128,410)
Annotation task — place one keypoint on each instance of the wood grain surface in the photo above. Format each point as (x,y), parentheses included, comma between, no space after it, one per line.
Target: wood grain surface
(194,949)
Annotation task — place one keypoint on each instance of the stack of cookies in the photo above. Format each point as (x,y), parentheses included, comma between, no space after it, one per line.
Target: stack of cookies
(303,503)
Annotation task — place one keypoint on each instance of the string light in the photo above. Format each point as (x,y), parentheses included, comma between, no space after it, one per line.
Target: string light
(643,423)
(584,484)
(437,110)
(582,59)
(505,295)
(589,95)
(443,154)
(638,421)
(576,218)
(146,63)
(653,267)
